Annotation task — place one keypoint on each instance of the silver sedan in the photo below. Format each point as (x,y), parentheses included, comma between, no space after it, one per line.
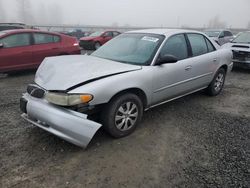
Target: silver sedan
(73,96)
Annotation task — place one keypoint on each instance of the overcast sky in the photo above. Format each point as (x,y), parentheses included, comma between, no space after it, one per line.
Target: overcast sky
(157,13)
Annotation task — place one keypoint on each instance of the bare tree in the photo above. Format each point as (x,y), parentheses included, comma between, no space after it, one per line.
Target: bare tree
(216,23)
(2,12)
(248,25)
(55,14)
(24,11)
(114,25)
(41,14)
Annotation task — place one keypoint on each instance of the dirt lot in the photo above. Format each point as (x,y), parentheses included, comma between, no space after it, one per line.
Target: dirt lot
(196,141)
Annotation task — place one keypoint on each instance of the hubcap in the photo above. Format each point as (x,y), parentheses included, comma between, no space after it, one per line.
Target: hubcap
(219,82)
(126,116)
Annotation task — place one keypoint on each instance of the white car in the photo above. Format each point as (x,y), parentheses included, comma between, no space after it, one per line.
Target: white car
(241,50)
(220,36)
(132,73)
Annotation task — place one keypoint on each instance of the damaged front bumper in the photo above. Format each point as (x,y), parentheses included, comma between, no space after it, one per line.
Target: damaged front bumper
(67,124)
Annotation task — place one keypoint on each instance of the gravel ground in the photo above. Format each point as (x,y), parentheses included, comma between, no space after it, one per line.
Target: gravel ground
(196,141)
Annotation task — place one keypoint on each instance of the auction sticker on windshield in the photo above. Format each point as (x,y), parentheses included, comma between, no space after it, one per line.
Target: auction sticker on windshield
(151,39)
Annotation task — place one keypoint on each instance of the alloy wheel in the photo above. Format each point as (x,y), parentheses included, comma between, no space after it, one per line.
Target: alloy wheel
(126,116)
(219,82)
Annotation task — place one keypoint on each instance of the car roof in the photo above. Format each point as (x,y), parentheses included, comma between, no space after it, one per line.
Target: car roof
(165,32)
(14,24)
(109,31)
(219,30)
(13,31)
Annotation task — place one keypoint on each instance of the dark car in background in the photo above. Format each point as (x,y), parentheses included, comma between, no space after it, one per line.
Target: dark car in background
(241,50)
(78,33)
(8,26)
(220,36)
(96,39)
(26,48)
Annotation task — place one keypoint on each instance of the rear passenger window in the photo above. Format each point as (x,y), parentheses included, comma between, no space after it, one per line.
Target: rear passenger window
(16,40)
(177,46)
(108,34)
(198,44)
(209,46)
(56,38)
(40,38)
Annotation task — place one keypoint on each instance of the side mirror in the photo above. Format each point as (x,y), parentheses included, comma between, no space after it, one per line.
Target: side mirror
(1,45)
(166,59)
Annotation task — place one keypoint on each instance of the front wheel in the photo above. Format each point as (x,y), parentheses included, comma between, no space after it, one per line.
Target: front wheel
(217,84)
(122,115)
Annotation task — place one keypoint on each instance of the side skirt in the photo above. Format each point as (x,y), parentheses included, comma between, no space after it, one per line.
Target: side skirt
(174,98)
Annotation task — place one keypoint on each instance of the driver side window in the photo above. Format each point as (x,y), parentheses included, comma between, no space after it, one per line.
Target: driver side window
(176,46)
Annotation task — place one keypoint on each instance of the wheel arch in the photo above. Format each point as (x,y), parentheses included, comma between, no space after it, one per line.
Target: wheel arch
(137,91)
(225,67)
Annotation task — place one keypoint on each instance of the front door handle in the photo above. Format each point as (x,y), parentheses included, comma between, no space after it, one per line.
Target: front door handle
(214,60)
(188,68)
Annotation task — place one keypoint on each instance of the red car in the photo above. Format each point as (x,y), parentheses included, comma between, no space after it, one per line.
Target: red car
(96,39)
(26,48)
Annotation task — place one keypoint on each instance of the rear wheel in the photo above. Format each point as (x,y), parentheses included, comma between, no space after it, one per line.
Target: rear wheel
(121,116)
(217,84)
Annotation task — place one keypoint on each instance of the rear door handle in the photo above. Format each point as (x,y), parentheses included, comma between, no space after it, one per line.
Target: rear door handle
(214,60)
(188,68)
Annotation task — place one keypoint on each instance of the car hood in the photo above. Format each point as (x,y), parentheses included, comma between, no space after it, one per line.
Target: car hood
(64,72)
(237,46)
(88,38)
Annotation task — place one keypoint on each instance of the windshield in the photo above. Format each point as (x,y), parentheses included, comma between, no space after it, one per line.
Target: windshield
(131,48)
(96,34)
(242,38)
(212,33)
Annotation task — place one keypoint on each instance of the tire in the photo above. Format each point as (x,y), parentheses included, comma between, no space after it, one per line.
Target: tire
(216,86)
(97,45)
(122,115)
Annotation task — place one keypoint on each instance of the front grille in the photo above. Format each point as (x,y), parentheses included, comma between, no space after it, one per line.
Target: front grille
(240,46)
(240,55)
(35,91)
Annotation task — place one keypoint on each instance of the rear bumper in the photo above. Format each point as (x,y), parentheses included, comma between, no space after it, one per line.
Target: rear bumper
(67,124)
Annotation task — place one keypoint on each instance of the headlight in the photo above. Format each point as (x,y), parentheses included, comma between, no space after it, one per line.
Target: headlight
(67,99)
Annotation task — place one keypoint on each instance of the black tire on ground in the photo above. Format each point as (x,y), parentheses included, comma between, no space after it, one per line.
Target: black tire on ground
(97,45)
(122,114)
(216,86)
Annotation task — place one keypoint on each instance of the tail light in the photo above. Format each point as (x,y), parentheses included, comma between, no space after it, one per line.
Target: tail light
(76,44)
